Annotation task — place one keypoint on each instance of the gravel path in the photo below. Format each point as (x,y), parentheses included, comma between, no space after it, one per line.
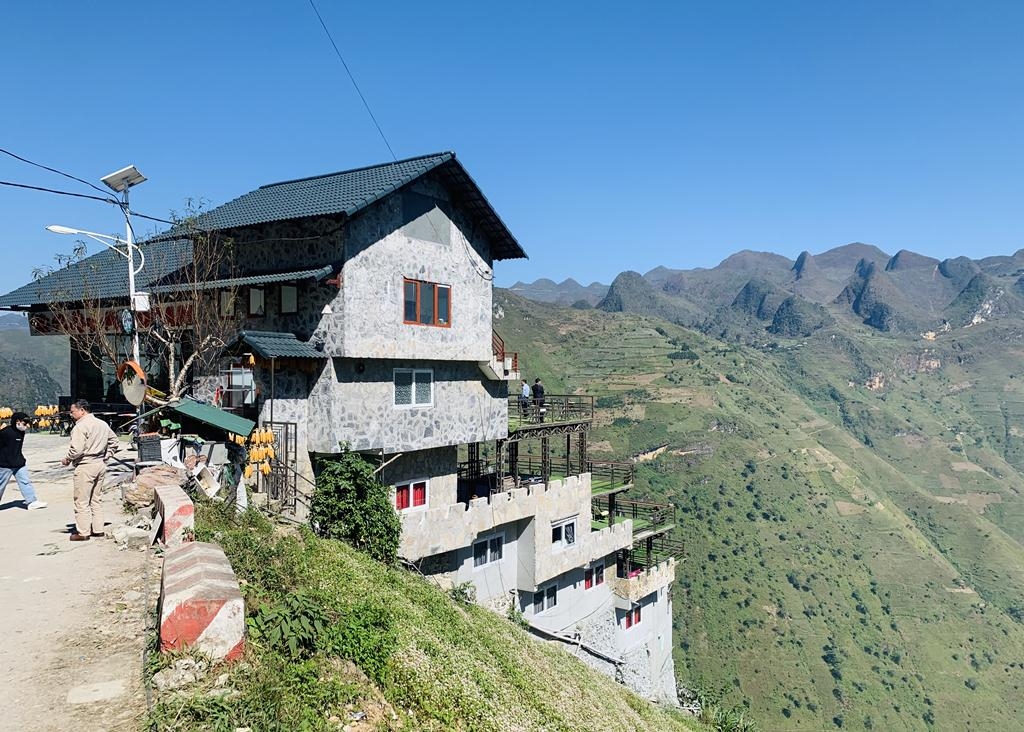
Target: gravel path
(73,615)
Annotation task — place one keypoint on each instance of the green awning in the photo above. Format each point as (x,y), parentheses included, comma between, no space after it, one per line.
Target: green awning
(213,416)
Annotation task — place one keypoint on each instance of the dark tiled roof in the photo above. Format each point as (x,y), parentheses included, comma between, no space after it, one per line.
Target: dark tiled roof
(349,191)
(268,344)
(101,276)
(263,278)
(105,275)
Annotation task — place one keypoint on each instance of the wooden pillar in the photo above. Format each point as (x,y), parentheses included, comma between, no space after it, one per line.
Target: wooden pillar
(473,456)
(568,454)
(650,551)
(611,509)
(545,459)
(513,462)
(581,445)
(499,459)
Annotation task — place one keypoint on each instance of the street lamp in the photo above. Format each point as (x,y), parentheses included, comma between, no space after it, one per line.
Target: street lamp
(120,181)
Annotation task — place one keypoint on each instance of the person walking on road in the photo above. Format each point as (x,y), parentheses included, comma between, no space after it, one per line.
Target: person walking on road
(12,461)
(92,444)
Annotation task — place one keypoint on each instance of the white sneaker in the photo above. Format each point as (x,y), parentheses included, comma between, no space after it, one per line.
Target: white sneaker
(36,505)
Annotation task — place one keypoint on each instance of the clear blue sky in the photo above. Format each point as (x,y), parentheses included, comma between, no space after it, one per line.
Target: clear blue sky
(609,136)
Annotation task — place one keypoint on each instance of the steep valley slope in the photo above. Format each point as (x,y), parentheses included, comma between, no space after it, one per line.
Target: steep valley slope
(851,505)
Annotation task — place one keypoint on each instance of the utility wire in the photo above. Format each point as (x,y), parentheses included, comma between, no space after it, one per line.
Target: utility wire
(52,170)
(61,193)
(353,80)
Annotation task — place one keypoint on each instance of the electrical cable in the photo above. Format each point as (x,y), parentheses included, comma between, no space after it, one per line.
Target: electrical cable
(52,170)
(61,193)
(353,80)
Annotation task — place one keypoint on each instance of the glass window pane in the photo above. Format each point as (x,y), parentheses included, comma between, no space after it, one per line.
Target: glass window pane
(402,497)
(599,574)
(556,534)
(538,601)
(444,305)
(424,384)
(480,554)
(410,301)
(569,532)
(552,597)
(403,387)
(256,301)
(426,303)
(419,494)
(227,303)
(496,544)
(289,299)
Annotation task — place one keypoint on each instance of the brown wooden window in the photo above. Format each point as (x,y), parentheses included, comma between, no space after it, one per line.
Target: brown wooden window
(427,303)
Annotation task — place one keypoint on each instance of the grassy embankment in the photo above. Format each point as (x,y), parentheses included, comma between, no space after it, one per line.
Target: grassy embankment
(389,643)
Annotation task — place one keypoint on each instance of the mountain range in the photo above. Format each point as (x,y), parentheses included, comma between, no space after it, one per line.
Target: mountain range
(903,292)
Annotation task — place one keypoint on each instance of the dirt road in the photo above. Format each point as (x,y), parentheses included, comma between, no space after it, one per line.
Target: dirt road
(72,614)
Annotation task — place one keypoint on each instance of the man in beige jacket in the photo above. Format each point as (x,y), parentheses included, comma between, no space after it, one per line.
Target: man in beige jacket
(92,444)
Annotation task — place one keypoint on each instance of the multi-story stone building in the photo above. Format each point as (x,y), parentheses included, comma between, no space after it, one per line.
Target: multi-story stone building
(366,321)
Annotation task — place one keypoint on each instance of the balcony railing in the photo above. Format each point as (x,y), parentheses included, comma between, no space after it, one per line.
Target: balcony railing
(648,518)
(553,409)
(606,475)
(500,354)
(630,563)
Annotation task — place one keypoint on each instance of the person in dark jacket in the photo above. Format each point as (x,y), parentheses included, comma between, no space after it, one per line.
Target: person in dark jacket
(538,399)
(12,461)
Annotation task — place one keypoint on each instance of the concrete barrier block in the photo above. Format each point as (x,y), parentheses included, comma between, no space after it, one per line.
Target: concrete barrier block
(177,514)
(200,603)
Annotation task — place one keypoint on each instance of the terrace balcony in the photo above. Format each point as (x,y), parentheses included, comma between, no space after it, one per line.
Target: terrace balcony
(557,414)
(504,365)
(481,477)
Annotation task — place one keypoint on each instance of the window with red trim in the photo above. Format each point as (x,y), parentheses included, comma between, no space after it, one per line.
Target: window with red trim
(632,617)
(411,495)
(593,576)
(426,303)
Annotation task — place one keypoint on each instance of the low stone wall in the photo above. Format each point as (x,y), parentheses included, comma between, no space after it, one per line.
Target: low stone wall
(650,580)
(178,515)
(200,603)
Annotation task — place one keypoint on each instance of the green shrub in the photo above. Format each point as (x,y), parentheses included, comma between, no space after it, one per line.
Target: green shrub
(295,626)
(351,504)
(366,635)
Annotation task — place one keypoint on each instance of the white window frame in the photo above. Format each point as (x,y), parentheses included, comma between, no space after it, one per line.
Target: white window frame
(413,404)
(293,306)
(546,592)
(488,559)
(560,543)
(409,484)
(593,568)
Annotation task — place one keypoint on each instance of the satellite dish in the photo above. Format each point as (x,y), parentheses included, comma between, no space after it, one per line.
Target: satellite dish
(133,382)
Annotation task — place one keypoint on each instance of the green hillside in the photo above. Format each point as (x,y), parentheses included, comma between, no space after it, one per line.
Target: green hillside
(855,555)
(389,643)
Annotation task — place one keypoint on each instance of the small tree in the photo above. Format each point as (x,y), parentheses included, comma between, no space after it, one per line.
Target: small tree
(350,503)
(185,327)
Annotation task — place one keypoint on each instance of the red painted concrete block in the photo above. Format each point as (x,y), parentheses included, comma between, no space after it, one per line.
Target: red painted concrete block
(200,603)
(178,515)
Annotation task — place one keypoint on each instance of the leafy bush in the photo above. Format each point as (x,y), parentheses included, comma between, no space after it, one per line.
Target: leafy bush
(294,626)
(351,504)
(365,634)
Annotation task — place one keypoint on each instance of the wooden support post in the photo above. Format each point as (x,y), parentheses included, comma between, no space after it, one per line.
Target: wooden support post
(545,459)
(581,445)
(611,509)
(513,462)
(568,454)
(499,456)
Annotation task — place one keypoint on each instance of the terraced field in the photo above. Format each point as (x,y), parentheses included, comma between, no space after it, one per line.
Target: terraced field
(855,556)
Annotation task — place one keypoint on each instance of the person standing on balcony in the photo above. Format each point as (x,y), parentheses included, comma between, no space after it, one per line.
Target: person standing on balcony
(524,398)
(538,399)
(92,444)
(12,461)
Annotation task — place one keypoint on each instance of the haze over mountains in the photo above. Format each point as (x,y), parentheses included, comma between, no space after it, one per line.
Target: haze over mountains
(903,292)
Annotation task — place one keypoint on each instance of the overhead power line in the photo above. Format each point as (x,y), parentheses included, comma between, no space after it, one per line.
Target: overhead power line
(53,170)
(108,199)
(353,80)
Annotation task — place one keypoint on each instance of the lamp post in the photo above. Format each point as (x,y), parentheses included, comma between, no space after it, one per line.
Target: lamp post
(120,181)
(111,242)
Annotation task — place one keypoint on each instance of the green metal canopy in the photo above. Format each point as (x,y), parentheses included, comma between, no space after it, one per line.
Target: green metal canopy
(271,344)
(213,416)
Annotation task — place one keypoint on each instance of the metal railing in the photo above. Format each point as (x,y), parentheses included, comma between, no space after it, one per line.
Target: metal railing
(607,474)
(498,349)
(552,409)
(646,516)
(630,563)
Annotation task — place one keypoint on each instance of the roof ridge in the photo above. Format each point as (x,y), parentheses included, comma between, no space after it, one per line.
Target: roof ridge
(357,170)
